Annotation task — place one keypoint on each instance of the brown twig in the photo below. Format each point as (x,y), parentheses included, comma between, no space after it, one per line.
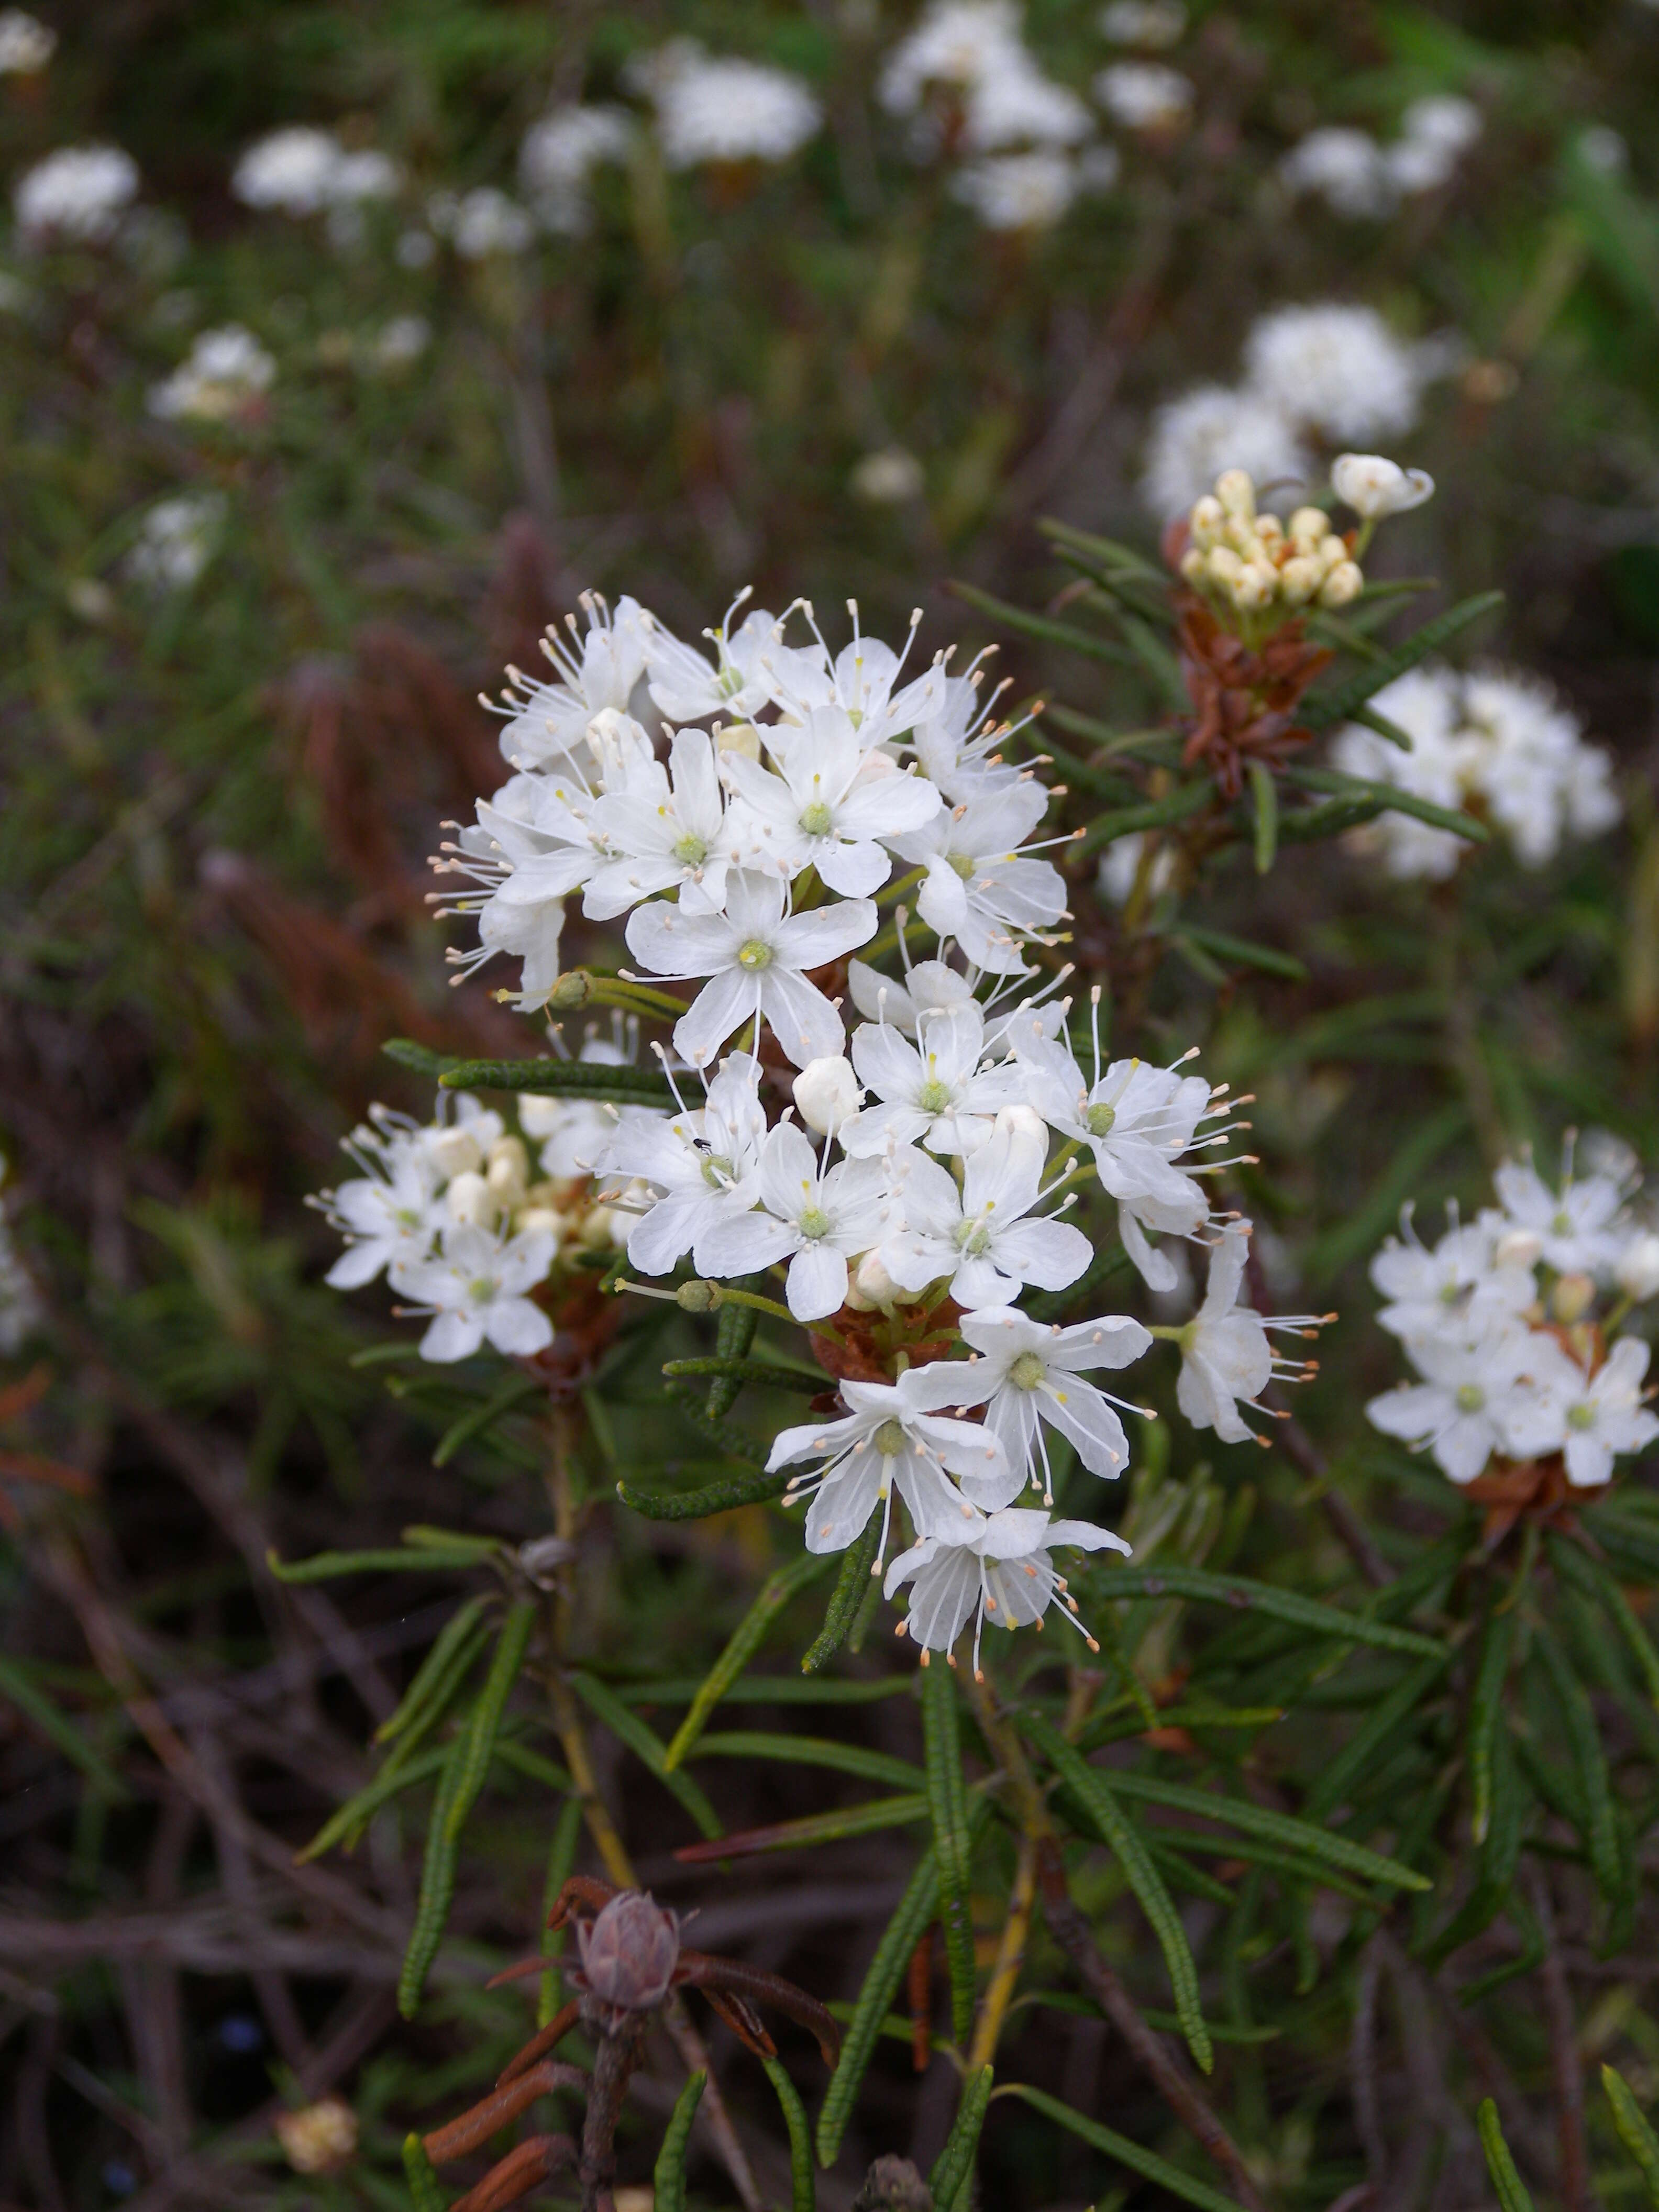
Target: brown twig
(1564,2063)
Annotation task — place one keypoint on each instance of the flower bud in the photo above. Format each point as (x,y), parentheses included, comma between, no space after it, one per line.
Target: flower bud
(698,1296)
(532,1218)
(872,1286)
(1299,579)
(1517,1247)
(598,1229)
(1308,524)
(508,1162)
(318,2137)
(1239,531)
(471,1202)
(1021,1122)
(1192,565)
(1255,586)
(1571,1299)
(1270,529)
(1637,1272)
(827,1091)
(1204,523)
(1374,487)
(574,989)
(456,1152)
(742,739)
(1236,492)
(1344,583)
(1224,566)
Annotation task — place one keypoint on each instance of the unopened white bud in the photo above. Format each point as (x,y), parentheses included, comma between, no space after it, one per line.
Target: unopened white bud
(1204,523)
(1637,1272)
(1236,492)
(1331,552)
(1308,524)
(1374,487)
(1256,585)
(508,1162)
(1344,583)
(1269,529)
(471,1202)
(1224,566)
(530,1218)
(1194,565)
(456,1152)
(597,1231)
(827,1092)
(742,739)
(1299,579)
(1517,1247)
(1239,531)
(1571,1299)
(539,1117)
(872,1286)
(1020,1121)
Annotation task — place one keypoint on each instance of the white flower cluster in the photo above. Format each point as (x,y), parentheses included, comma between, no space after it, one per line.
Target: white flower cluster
(1331,371)
(26,43)
(20,1306)
(722,108)
(226,372)
(1500,1319)
(176,540)
(559,154)
(1253,565)
(1498,742)
(908,1180)
(480,223)
(968,84)
(76,196)
(304,170)
(1360,178)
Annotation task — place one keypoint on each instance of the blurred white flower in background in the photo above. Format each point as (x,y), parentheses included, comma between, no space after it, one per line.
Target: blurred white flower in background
(560,152)
(1361,178)
(1339,370)
(76,194)
(400,343)
(1017,192)
(19,1306)
(1144,95)
(302,171)
(1152,23)
(718,107)
(956,42)
(1194,438)
(481,222)
(888,478)
(225,372)
(1119,863)
(26,44)
(176,540)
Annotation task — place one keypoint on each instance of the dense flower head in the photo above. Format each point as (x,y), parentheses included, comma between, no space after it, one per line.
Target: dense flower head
(1364,179)
(26,45)
(1509,1322)
(77,195)
(1498,743)
(1251,564)
(176,540)
(722,108)
(559,155)
(891,1139)
(302,170)
(225,374)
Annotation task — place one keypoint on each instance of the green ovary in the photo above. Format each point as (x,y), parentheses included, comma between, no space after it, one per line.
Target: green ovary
(755,956)
(816,820)
(1581,1417)
(716,1172)
(814,1223)
(1027,1371)
(890,1441)
(691,851)
(962,863)
(1470,1398)
(933,1098)
(1100,1120)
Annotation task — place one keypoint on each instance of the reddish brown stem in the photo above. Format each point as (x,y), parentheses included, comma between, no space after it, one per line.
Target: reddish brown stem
(475,2127)
(518,2173)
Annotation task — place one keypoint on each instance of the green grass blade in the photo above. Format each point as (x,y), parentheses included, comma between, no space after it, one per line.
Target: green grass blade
(355,1812)
(1147,2164)
(646,1745)
(562,1078)
(1589,1765)
(1390,798)
(951,2179)
(947,1805)
(803,2182)
(1486,1714)
(1243,954)
(1093,1791)
(746,1640)
(1189,798)
(668,2180)
(1512,2192)
(513,1392)
(1359,1754)
(461,1636)
(1589,1576)
(327,1565)
(813,1828)
(1634,2133)
(899,1939)
(1043,627)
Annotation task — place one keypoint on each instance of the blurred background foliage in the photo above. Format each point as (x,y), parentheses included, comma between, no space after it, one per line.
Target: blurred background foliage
(218,800)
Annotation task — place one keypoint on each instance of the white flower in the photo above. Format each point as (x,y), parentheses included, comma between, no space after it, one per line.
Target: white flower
(815,1221)
(927,986)
(718,108)
(1015,105)
(560,152)
(302,170)
(1444,119)
(1226,1360)
(480,223)
(999,1569)
(388,1218)
(1144,95)
(576,1134)
(688,690)
(1474,1389)
(1028,1374)
(26,44)
(1138,1121)
(955,42)
(1017,192)
(826,1093)
(225,373)
(398,343)
(475,1292)
(1120,864)
(978,1238)
(1152,23)
(1194,438)
(705,1162)
(894,1438)
(888,477)
(1374,487)
(1347,167)
(176,540)
(1588,1418)
(755,957)
(596,669)
(1578,1227)
(980,888)
(932,1092)
(1339,370)
(1525,756)
(1461,1284)
(77,193)
(1637,1269)
(829,803)
(1423,703)
(665,827)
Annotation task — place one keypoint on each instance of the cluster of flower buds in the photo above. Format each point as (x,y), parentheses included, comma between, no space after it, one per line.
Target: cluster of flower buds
(1253,565)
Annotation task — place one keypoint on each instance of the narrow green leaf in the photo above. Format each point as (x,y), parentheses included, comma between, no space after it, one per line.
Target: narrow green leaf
(1310,825)
(561,1865)
(461,1632)
(562,1078)
(1512,2192)
(1106,553)
(714,1498)
(356,1813)
(1370,720)
(1264,803)
(1082,774)
(1315,1843)
(812,1750)
(759,1372)
(1043,626)
(62,1733)
(746,1640)
(1589,1576)
(1589,1765)
(951,2179)
(898,1940)
(1634,2133)
(486,1717)
(668,2181)
(325,1566)
(1268,1601)
(1360,1755)
(1092,1789)
(1324,709)
(425,2190)
(803,2183)
(734,1335)
(417,1057)
(726,1438)
(645,1743)
(513,1392)
(1161,744)
(437,1884)
(1243,954)
(1390,798)
(947,1805)
(852,1584)
(1181,803)
(1150,2167)
(813,1828)
(1485,1714)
